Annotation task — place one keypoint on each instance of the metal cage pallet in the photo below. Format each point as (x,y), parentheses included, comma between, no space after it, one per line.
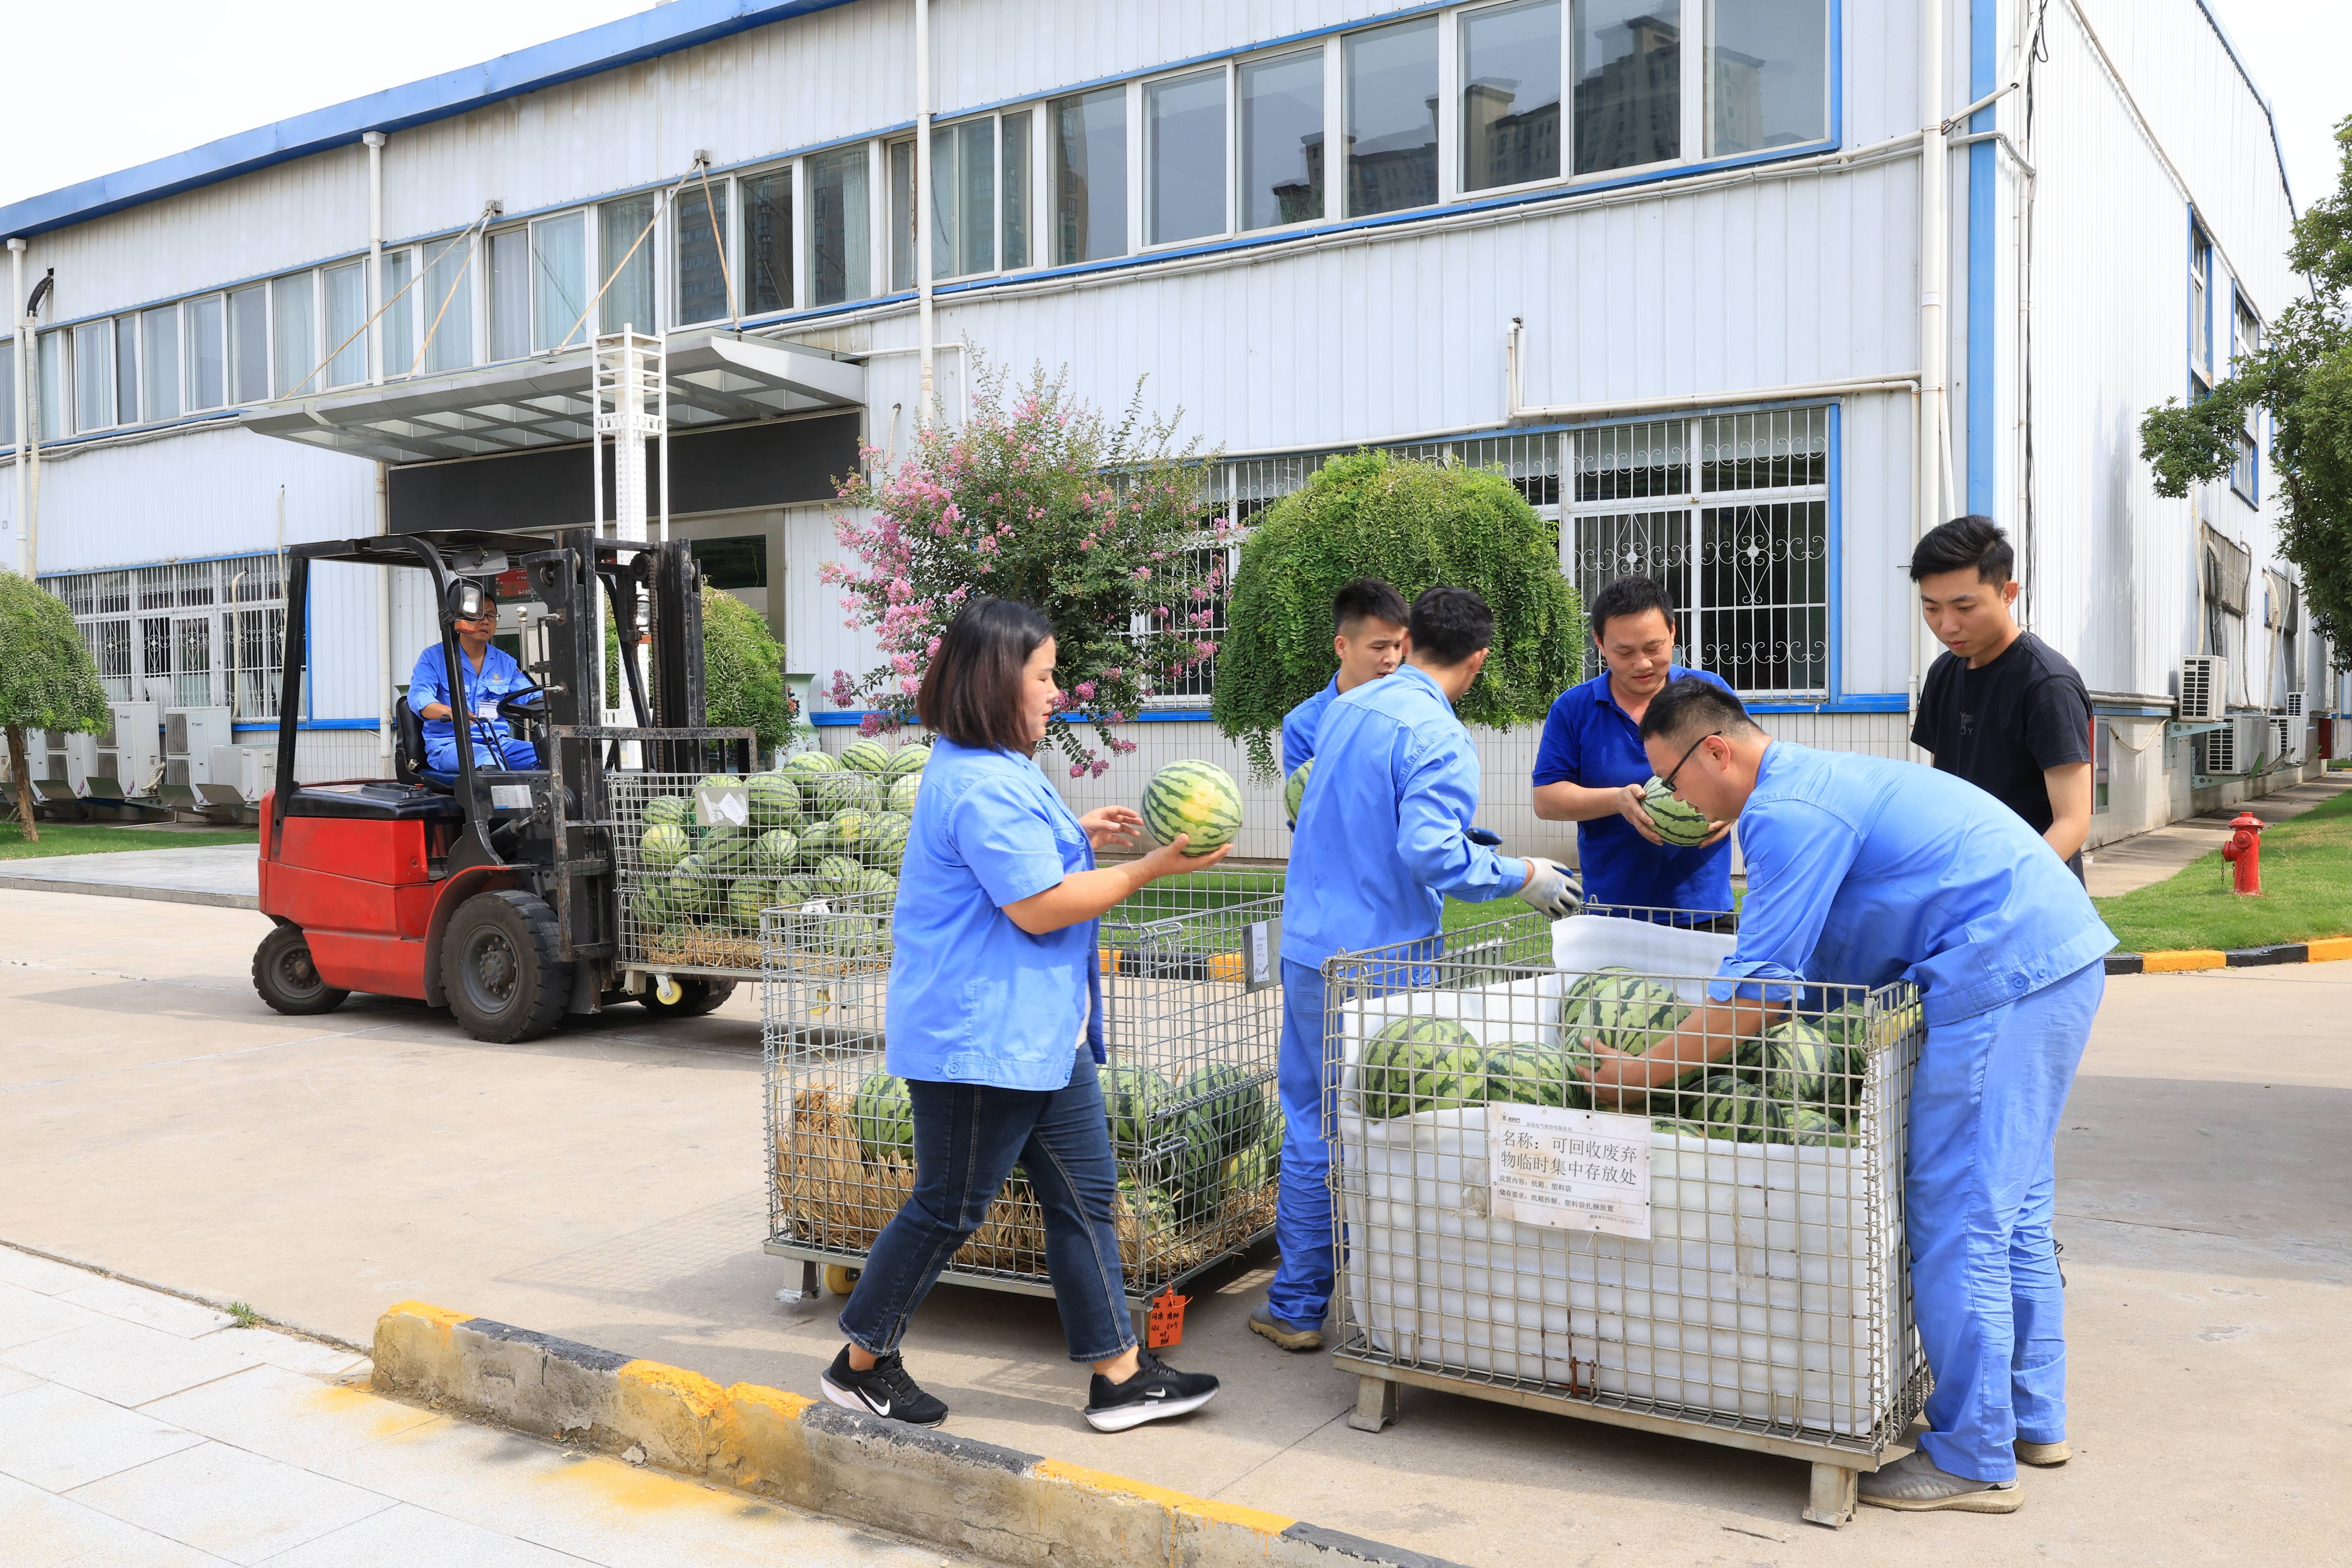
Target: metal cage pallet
(1754,1294)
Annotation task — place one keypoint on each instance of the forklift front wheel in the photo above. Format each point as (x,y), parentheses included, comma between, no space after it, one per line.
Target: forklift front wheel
(286,979)
(499,967)
(696,994)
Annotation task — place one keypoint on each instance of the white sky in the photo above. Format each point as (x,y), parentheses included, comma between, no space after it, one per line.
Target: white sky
(2297,51)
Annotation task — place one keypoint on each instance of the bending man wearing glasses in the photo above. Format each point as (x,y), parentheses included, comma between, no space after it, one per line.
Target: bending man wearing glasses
(1864,871)
(488,674)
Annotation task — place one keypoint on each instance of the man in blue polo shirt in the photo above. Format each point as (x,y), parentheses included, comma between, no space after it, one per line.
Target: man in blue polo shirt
(1368,638)
(1590,768)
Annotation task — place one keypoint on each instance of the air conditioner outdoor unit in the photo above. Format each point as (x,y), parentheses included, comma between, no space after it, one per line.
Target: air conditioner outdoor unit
(2295,705)
(189,736)
(251,771)
(2286,739)
(135,734)
(2204,688)
(74,758)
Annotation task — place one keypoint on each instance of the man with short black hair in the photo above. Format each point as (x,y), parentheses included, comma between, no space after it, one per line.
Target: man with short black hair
(1590,769)
(1383,839)
(1368,638)
(489,674)
(2001,708)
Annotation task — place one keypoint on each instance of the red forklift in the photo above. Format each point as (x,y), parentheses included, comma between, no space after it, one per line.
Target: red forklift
(490,890)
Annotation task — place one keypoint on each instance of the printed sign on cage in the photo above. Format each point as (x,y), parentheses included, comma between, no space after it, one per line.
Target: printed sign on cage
(723,806)
(1570,1170)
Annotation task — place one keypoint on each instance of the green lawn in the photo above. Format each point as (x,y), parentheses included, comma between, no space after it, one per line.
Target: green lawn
(106,837)
(2306,892)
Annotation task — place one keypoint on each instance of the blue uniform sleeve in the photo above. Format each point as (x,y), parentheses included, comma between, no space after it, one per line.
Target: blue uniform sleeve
(1557,756)
(1006,840)
(428,682)
(1295,747)
(1798,855)
(1433,811)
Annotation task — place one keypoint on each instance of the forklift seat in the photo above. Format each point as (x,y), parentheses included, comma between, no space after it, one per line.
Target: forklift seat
(408,750)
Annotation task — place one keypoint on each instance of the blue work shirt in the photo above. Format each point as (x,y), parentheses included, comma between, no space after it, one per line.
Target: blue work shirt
(1301,724)
(1589,739)
(973,997)
(1382,830)
(499,677)
(1862,871)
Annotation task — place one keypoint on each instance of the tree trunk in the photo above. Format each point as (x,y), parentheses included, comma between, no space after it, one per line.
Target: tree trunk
(22,773)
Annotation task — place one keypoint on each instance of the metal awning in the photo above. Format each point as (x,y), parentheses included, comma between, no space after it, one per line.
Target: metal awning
(715,378)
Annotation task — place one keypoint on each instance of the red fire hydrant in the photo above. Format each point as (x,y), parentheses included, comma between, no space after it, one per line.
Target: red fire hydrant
(2244,853)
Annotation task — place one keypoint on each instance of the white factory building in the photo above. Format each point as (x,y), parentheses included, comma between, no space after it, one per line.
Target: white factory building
(1746,293)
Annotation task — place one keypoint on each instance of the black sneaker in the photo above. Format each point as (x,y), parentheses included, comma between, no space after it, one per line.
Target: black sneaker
(1157,1390)
(885,1391)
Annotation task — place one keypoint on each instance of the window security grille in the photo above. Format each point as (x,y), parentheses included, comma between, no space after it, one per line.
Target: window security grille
(189,633)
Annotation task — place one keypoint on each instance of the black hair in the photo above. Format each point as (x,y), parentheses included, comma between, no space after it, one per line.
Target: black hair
(1687,707)
(1631,596)
(1366,599)
(971,692)
(1449,625)
(1961,544)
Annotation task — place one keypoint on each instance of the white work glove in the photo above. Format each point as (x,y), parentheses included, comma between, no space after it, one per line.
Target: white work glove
(1552,890)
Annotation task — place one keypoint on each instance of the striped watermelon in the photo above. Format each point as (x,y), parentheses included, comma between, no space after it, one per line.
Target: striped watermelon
(837,873)
(1816,1129)
(1392,1056)
(693,888)
(1531,1075)
(746,898)
(804,768)
(1796,1059)
(851,829)
(671,810)
(1735,1105)
(835,793)
(1680,1129)
(792,892)
(664,845)
(1629,1012)
(725,847)
(903,790)
(880,883)
(775,800)
(908,760)
(1198,1187)
(866,756)
(1134,1098)
(1196,798)
(887,844)
(1294,792)
(817,841)
(1154,1214)
(1229,1098)
(1676,821)
(883,1116)
(720,781)
(775,852)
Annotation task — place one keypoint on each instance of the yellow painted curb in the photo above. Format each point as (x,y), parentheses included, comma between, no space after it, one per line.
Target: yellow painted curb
(673,1413)
(2182,959)
(1175,1502)
(2327,948)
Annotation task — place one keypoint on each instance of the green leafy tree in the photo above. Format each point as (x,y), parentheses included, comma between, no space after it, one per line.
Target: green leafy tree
(47,681)
(742,671)
(2302,377)
(1417,525)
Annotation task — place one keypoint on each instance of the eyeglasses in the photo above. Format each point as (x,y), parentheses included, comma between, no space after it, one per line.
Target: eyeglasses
(1711,735)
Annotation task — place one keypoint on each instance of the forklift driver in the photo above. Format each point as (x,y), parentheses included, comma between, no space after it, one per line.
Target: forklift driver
(489,674)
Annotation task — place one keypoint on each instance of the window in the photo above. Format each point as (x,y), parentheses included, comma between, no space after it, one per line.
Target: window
(728,563)
(963,199)
(841,226)
(447,306)
(291,336)
(51,349)
(509,294)
(126,370)
(559,282)
(1184,157)
(1732,514)
(1282,139)
(1628,83)
(1510,95)
(1392,98)
(347,312)
(207,351)
(768,242)
(2201,314)
(9,394)
(1014,153)
(191,633)
(625,254)
(1090,177)
(901,156)
(94,375)
(398,322)
(2245,339)
(158,351)
(702,270)
(2244,472)
(1766,74)
(2102,748)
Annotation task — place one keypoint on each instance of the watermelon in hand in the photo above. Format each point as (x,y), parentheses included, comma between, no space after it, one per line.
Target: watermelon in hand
(1196,799)
(1294,792)
(1677,822)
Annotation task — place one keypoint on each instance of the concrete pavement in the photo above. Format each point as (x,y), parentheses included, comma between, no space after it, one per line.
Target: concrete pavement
(2151,856)
(226,875)
(606,1185)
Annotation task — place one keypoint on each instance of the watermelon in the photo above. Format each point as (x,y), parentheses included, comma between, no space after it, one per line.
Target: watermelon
(908,760)
(804,768)
(884,1115)
(1735,1105)
(1260,1162)
(866,756)
(650,911)
(1198,1187)
(725,847)
(838,792)
(879,883)
(851,830)
(837,873)
(1530,1075)
(775,851)
(1154,1214)
(1134,1098)
(1676,821)
(719,781)
(1628,1012)
(1817,1129)
(887,846)
(1679,1128)
(775,800)
(664,845)
(1294,792)
(673,810)
(746,898)
(693,892)
(903,791)
(1196,798)
(1396,1057)
(792,892)
(1229,1099)
(1796,1060)
(817,841)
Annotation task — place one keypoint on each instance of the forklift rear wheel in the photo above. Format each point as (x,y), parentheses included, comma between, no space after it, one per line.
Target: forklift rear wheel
(698,994)
(499,967)
(286,979)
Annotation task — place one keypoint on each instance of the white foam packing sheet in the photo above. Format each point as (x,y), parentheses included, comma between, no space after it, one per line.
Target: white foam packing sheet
(1762,1293)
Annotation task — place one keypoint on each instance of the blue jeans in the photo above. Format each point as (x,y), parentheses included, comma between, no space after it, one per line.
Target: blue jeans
(1301,1290)
(1978,1187)
(967,1138)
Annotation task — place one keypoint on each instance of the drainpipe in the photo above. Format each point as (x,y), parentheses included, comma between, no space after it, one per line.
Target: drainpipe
(384,660)
(25,373)
(921,239)
(1935,265)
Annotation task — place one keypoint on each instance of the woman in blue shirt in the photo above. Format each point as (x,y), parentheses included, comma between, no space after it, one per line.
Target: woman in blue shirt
(995,1022)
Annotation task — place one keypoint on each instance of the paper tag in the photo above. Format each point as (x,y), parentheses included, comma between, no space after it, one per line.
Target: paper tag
(510,797)
(1262,952)
(1570,1170)
(723,806)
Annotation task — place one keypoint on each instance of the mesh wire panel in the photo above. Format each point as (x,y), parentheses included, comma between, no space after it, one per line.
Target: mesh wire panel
(1189,1088)
(1769,1298)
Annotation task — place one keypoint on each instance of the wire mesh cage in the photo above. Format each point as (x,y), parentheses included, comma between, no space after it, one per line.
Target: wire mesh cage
(1192,1021)
(1723,1260)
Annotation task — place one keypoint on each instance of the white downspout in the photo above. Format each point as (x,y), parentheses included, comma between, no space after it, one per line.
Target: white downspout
(921,239)
(383,654)
(1934,239)
(26,370)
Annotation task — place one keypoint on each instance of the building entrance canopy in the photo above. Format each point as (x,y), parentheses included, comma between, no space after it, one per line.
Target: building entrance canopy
(715,378)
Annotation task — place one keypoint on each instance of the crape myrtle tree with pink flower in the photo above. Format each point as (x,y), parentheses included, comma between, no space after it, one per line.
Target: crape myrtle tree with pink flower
(1038,498)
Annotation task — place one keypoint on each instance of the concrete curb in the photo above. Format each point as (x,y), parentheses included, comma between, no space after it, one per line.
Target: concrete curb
(2326,950)
(951,1491)
(123,890)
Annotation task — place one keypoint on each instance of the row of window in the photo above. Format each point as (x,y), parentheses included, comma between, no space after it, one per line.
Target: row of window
(191,633)
(2245,337)
(1426,110)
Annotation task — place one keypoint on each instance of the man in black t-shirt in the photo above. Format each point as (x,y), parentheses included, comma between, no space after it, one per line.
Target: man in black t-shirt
(2001,708)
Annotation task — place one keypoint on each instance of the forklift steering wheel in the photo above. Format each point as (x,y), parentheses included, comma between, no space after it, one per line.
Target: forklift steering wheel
(523,705)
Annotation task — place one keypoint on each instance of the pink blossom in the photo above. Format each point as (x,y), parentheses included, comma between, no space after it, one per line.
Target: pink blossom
(909,684)
(1087,691)
(1101,768)
(1078,770)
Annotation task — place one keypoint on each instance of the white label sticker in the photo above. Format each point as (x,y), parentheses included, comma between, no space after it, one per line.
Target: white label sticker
(723,806)
(510,797)
(1264,938)
(1570,1170)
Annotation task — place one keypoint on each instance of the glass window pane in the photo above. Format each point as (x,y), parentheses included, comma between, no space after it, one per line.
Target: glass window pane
(902,216)
(207,352)
(1393,118)
(963,199)
(1628,83)
(1762,593)
(623,244)
(768,242)
(1016,189)
(1766,74)
(346,311)
(448,299)
(1282,139)
(1090,177)
(1185,156)
(398,324)
(159,347)
(126,370)
(559,282)
(52,351)
(509,294)
(291,336)
(1510,95)
(840,226)
(701,274)
(93,371)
